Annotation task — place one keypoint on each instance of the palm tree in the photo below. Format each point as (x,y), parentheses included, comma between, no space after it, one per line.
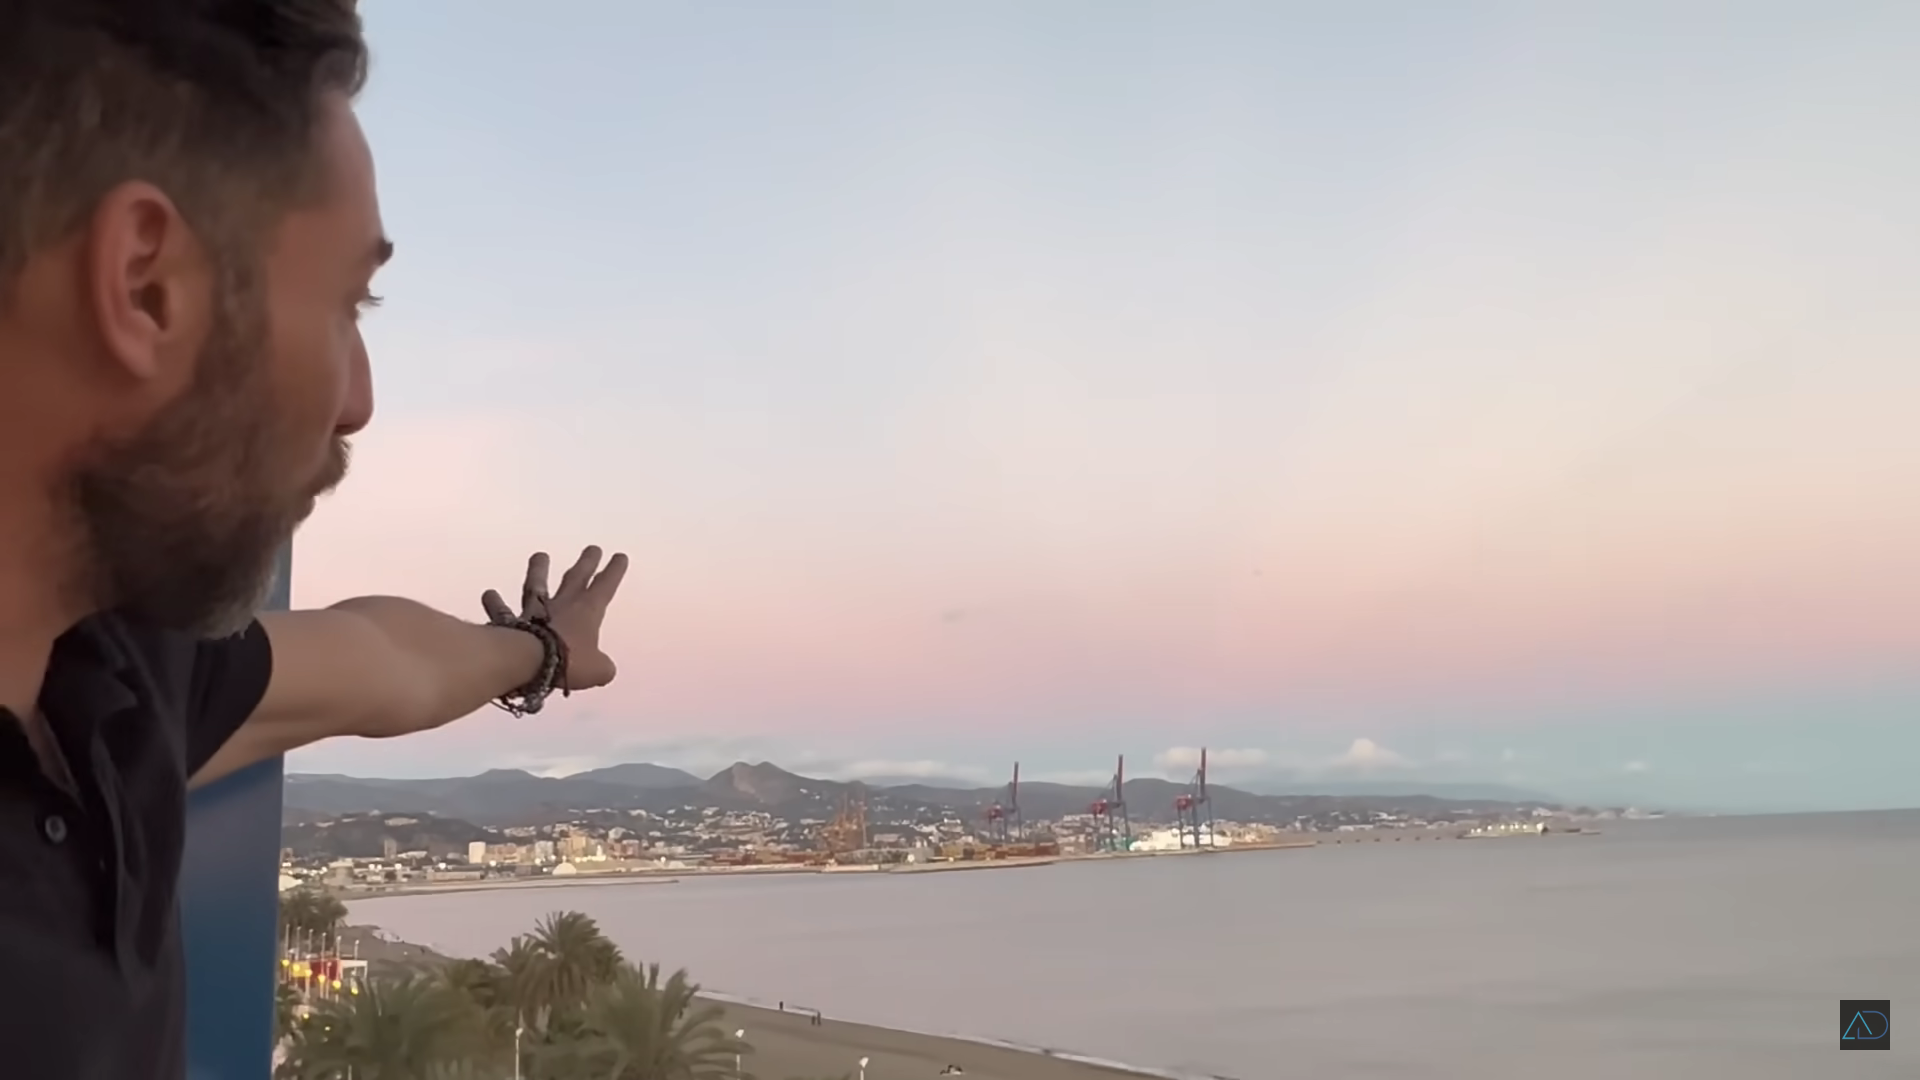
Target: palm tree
(551,970)
(403,1029)
(490,986)
(519,980)
(476,979)
(308,912)
(635,1027)
(575,942)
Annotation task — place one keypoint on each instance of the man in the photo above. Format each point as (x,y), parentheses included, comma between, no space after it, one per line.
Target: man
(188,232)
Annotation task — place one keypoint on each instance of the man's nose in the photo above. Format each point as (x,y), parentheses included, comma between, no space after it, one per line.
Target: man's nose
(356,411)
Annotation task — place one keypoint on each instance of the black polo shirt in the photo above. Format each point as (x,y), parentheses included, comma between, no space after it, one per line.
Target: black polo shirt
(92,985)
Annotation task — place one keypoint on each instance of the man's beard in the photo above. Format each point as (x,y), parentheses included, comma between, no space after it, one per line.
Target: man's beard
(181,524)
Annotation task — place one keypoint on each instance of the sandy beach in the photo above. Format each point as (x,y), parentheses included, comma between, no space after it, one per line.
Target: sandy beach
(786,1046)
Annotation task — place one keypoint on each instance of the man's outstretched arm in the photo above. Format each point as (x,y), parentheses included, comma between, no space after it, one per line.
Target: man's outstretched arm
(382,666)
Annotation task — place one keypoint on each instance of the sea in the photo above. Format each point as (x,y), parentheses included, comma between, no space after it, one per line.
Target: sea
(1689,948)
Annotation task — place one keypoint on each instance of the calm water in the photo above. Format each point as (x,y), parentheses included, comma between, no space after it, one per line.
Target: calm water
(1684,949)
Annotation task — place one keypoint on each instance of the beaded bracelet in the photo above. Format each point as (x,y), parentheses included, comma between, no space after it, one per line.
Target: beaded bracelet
(528,699)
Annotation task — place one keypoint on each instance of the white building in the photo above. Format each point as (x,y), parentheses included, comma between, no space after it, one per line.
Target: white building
(1175,839)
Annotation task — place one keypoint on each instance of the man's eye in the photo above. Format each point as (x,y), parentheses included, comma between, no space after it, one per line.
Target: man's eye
(367,303)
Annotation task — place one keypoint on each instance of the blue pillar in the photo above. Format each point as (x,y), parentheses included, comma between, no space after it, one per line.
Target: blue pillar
(229,906)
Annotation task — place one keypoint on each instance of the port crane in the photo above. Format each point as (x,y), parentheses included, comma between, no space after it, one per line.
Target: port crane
(1007,836)
(1003,818)
(847,832)
(1111,829)
(1194,811)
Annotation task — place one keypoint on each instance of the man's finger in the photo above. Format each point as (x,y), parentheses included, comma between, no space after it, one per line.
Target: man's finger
(608,582)
(533,595)
(495,606)
(580,574)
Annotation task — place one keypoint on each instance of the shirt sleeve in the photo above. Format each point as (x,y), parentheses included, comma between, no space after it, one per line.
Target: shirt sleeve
(230,677)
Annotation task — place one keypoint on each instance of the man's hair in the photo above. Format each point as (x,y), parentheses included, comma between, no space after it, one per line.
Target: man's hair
(214,102)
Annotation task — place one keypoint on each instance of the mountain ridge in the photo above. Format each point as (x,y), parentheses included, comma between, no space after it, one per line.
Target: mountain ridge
(499,797)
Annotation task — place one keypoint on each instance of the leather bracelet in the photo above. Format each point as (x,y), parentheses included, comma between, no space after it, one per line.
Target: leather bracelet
(531,697)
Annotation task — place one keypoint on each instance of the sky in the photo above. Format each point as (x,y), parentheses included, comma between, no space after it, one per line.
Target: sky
(1479,391)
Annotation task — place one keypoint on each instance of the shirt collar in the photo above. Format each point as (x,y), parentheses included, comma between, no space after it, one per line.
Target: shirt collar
(86,674)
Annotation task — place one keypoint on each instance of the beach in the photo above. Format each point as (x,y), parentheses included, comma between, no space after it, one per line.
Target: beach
(787,1046)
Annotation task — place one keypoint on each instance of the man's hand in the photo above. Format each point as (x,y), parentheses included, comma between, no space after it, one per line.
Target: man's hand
(575,612)
(378,666)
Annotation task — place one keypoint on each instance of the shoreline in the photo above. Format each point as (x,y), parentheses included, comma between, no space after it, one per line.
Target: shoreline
(794,1039)
(793,1045)
(677,875)
(672,876)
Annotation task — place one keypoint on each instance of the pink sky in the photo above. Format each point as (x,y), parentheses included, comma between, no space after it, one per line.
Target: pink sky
(988,560)
(1156,381)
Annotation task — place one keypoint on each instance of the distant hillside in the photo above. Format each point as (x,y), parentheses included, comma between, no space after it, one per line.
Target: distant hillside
(770,785)
(513,797)
(948,782)
(640,774)
(1037,799)
(365,836)
(497,797)
(1150,799)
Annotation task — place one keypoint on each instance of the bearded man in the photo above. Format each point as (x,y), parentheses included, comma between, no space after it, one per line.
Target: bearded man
(188,234)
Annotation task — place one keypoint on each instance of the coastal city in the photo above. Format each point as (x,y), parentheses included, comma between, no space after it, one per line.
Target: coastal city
(760,818)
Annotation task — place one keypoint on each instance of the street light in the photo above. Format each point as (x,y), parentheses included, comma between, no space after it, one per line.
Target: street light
(863,1068)
(739,1039)
(518,1027)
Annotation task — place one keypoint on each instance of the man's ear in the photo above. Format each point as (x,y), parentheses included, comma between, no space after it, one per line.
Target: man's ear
(149,283)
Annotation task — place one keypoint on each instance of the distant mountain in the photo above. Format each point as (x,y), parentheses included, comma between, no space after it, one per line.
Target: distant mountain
(640,774)
(950,783)
(517,797)
(502,797)
(1037,799)
(496,797)
(764,784)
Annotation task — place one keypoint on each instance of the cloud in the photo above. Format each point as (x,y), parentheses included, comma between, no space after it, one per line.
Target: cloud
(1634,767)
(1188,757)
(1362,755)
(1365,754)
(560,766)
(1508,754)
(1453,757)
